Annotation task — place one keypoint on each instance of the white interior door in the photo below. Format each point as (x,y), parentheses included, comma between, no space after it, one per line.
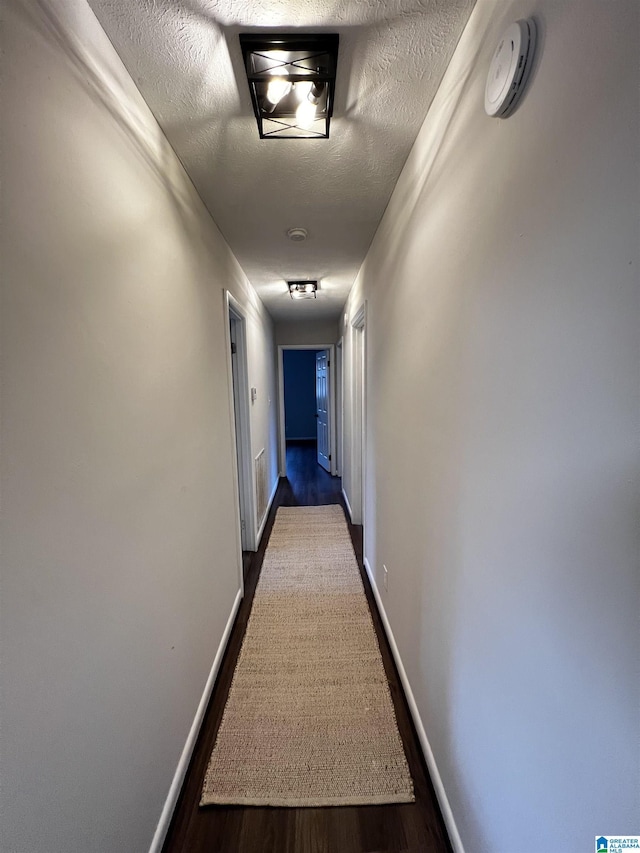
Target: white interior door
(322,409)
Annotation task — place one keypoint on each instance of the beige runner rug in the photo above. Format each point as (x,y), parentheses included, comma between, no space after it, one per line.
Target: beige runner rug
(309,720)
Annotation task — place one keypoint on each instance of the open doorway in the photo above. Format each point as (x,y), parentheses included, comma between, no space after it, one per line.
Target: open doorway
(307,408)
(358,409)
(239,387)
(339,406)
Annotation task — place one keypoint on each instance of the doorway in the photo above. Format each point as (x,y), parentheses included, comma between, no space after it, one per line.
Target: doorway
(358,408)
(339,406)
(307,407)
(239,389)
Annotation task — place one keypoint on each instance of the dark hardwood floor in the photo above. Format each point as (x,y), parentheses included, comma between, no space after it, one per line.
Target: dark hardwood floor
(408,828)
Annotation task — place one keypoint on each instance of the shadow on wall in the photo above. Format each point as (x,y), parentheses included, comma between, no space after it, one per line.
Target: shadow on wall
(103,86)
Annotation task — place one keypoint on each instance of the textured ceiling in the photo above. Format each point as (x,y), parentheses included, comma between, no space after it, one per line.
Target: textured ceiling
(185,57)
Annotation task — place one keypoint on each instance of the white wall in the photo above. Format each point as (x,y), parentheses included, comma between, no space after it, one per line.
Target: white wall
(306,333)
(503,411)
(120,549)
(262,369)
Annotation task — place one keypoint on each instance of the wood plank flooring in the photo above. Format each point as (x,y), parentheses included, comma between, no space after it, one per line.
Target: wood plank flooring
(407,828)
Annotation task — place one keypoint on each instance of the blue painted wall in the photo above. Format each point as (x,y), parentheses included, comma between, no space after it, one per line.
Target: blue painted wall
(299,368)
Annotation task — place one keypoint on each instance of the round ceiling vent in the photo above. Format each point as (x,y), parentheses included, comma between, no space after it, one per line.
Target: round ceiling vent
(510,68)
(297,234)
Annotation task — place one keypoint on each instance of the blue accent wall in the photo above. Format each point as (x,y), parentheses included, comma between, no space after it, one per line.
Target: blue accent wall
(299,368)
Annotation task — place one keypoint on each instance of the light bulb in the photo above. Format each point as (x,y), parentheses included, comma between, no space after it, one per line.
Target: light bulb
(306,114)
(303,289)
(315,91)
(277,89)
(302,89)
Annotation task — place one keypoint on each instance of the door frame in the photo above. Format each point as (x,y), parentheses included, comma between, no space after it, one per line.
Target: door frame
(282,439)
(339,406)
(243,474)
(359,415)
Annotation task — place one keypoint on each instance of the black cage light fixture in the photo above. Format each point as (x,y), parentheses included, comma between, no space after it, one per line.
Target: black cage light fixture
(292,80)
(303,289)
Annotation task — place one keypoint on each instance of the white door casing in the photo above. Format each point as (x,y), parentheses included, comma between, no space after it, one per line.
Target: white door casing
(358,409)
(339,412)
(241,423)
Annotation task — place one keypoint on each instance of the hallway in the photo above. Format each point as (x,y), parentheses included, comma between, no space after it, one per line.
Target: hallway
(414,828)
(474,278)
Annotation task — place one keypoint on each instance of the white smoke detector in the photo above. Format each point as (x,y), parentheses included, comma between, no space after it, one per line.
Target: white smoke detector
(510,68)
(297,234)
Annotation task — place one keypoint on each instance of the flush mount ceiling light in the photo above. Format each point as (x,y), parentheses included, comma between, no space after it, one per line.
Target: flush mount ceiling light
(303,289)
(292,81)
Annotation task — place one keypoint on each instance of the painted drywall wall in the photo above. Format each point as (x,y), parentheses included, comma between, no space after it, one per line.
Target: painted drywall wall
(120,539)
(299,375)
(503,348)
(307,333)
(261,354)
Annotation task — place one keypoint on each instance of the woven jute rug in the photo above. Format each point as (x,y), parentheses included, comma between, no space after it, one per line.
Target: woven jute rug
(309,720)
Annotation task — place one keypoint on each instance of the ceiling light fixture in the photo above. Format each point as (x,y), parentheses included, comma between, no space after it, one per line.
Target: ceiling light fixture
(303,289)
(292,82)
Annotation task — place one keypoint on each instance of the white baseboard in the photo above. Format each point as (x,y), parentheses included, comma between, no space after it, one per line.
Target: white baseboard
(346,500)
(183,764)
(266,514)
(443,800)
